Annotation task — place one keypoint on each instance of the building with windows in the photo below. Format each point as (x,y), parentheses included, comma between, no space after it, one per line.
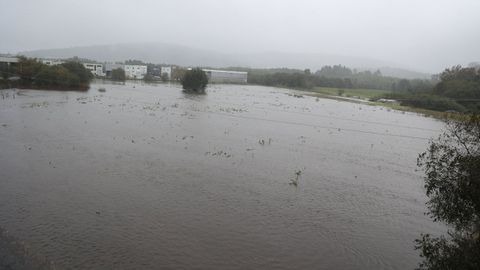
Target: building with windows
(168,71)
(226,76)
(96,69)
(51,62)
(111,66)
(135,71)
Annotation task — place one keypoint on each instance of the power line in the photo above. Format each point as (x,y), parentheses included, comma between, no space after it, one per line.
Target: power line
(319,126)
(339,118)
(296,123)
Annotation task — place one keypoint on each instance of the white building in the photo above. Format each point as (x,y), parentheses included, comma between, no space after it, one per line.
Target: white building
(135,71)
(226,76)
(96,69)
(111,66)
(51,62)
(168,71)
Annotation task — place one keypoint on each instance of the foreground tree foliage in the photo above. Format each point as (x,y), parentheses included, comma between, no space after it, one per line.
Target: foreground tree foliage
(452,182)
(195,80)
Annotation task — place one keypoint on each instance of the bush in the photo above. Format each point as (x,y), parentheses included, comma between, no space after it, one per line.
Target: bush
(433,102)
(67,76)
(84,75)
(118,74)
(55,77)
(148,78)
(164,77)
(427,101)
(195,80)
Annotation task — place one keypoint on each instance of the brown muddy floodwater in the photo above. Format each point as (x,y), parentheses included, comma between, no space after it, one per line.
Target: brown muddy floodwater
(148,177)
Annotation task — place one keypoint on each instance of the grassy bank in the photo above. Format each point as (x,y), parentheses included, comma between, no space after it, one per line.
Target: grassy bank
(367,94)
(360,93)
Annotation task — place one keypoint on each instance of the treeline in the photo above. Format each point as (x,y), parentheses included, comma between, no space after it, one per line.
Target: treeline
(30,73)
(336,76)
(457,90)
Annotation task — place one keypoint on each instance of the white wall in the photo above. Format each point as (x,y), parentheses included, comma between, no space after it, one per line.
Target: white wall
(167,70)
(96,69)
(135,71)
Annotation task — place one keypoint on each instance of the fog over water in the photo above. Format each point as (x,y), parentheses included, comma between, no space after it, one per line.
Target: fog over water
(427,35)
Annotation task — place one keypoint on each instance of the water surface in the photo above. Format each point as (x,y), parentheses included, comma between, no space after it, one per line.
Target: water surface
(147,177)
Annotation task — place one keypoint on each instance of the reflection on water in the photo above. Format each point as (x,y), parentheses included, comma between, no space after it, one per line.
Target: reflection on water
(150,177)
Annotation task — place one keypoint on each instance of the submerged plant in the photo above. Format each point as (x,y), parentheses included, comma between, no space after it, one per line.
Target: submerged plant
(294,181)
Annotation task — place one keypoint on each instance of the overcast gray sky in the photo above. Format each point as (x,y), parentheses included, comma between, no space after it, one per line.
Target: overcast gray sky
(426,35)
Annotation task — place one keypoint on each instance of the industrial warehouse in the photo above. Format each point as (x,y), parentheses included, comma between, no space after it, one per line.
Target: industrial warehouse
(226,76)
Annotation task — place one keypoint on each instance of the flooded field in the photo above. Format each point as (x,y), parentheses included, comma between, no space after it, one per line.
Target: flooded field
(245,177)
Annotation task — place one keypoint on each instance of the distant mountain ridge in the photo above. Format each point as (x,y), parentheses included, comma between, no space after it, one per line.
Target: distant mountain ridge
(163,53)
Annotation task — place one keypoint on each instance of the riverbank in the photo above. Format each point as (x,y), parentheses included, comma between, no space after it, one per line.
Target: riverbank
(365,96)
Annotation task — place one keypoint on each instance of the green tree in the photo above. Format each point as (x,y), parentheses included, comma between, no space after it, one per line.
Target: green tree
(67,76)
(164,77)
(118,74)
(452,182)
(178,73)
(84,75)
(148,77)
(27,69)
(57,77)
(195,80)
(461,85)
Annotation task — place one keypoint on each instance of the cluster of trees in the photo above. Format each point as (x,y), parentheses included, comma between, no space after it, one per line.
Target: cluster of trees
(67,76)
(336,76)
(282,79)
(461,85)
(457,90)
(118,74)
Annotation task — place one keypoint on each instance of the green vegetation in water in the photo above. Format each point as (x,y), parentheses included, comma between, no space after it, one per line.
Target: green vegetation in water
(195,81)
(66,76)
(149,78)
(118,74)
(265,142)
(296,178)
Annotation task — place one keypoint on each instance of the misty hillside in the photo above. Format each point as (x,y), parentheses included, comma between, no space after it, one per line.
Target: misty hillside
(400,73)
(187,56)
